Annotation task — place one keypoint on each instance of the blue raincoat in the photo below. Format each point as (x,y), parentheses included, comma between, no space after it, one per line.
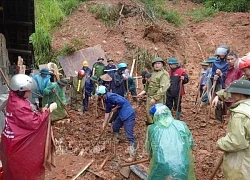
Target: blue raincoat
(223,66)
(42,83)
(169,145)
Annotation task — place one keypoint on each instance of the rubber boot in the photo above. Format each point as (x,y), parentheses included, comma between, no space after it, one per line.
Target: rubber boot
(116,137)
(132,153)
(178,115)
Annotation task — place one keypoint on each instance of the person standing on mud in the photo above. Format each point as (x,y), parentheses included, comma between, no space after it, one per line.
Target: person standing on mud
(158,86)
(236,143)
(169,145)
(98,68)
(125,117)
(177,75)
(23,140)
(87,70)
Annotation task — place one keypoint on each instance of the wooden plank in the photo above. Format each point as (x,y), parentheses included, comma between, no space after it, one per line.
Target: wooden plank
(83,169)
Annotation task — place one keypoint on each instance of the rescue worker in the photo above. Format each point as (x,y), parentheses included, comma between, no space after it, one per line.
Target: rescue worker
(126,117)
(89,88)
(205,67)
(77,91)
(177,75)
(42,80)
(24,136)
(169,144)
(157,87)
(235,144)
(87,70)
(110,69)
(244,65)
(98,67)
(220,67)
(52,93)
(118,84)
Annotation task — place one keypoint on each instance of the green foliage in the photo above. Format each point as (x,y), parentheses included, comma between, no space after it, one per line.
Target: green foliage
(155,9)
(203,13)
(49,14)
(229,5)
(144,58)
(106,12)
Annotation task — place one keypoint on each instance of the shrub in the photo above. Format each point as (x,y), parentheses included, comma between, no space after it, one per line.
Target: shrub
(106,12)
(203,13)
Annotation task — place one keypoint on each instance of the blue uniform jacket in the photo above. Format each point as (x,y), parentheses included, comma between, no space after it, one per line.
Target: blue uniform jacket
(89,87)
(223,66)
(87,71)
(125,110)
(110,73)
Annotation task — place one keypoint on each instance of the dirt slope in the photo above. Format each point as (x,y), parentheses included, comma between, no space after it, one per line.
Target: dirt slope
(78,135)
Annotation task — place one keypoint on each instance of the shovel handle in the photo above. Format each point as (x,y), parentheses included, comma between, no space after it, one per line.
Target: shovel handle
(135,162)
(216,167)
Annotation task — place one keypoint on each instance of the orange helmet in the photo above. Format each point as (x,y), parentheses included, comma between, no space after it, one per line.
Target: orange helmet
(81,73)
(85,63)
(244,62)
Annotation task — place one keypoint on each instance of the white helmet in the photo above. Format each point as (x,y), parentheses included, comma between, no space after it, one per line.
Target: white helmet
(22,82)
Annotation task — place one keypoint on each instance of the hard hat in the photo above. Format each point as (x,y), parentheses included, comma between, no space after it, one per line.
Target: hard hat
(109,59)
(222,50)
(22,82)
(243,62)
(63,82)
(240,87)
(173,61)
(155,107)
(81,73)
(211,59)
(100,90)
(85,63)
(157,59)
(204,63)
(100,58)
(45,71)
(122,65)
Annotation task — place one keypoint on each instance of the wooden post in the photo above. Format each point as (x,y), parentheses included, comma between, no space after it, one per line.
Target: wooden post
(20,67)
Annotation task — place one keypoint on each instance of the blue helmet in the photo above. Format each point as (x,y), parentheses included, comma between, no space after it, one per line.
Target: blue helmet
(211,59)
(100,90)
(173,61)
(154,108)
(122,65)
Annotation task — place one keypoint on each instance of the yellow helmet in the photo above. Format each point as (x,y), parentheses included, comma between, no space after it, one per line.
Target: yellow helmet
(85,63)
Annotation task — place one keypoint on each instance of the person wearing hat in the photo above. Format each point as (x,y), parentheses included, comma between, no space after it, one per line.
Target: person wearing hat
(207,80)
(98,67)
(169,145)
(118,83)
(236,143)
(77,91)
(23,139)
(109,71)
(204,69)
(90,84)
(157,87)
(125,117)
(52,93)
(42,80)
(87,70)
(177,75)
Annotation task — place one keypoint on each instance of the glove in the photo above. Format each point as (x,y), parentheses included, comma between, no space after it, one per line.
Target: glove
(52,107)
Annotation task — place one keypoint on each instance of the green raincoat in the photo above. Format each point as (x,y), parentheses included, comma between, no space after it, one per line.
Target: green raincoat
(77,93)
(157,88)
(169,145)
(236,143)
(50,97)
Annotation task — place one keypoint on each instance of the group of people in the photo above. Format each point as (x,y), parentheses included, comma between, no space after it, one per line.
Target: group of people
(169,141)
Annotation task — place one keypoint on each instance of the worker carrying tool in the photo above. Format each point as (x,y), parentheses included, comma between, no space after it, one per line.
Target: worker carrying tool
(236,142)
(126,117)
(169,145)
(27,133)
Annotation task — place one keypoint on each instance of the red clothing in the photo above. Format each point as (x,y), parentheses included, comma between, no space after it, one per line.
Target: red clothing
(23,140)
(232,75)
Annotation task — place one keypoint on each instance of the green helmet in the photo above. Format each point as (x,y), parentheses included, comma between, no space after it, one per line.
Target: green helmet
(240,87)
(157,59)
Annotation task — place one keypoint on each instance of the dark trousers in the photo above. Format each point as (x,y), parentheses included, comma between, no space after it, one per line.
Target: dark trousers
(85,102)
(172,103)
(128,124)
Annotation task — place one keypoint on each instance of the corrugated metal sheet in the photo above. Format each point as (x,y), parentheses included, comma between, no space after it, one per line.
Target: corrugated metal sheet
(73,62)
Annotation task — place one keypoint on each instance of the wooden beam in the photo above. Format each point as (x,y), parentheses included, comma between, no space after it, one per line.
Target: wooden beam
(7,22)
(21,51)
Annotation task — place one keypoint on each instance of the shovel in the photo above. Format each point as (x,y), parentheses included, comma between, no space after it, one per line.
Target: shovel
(125,170)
